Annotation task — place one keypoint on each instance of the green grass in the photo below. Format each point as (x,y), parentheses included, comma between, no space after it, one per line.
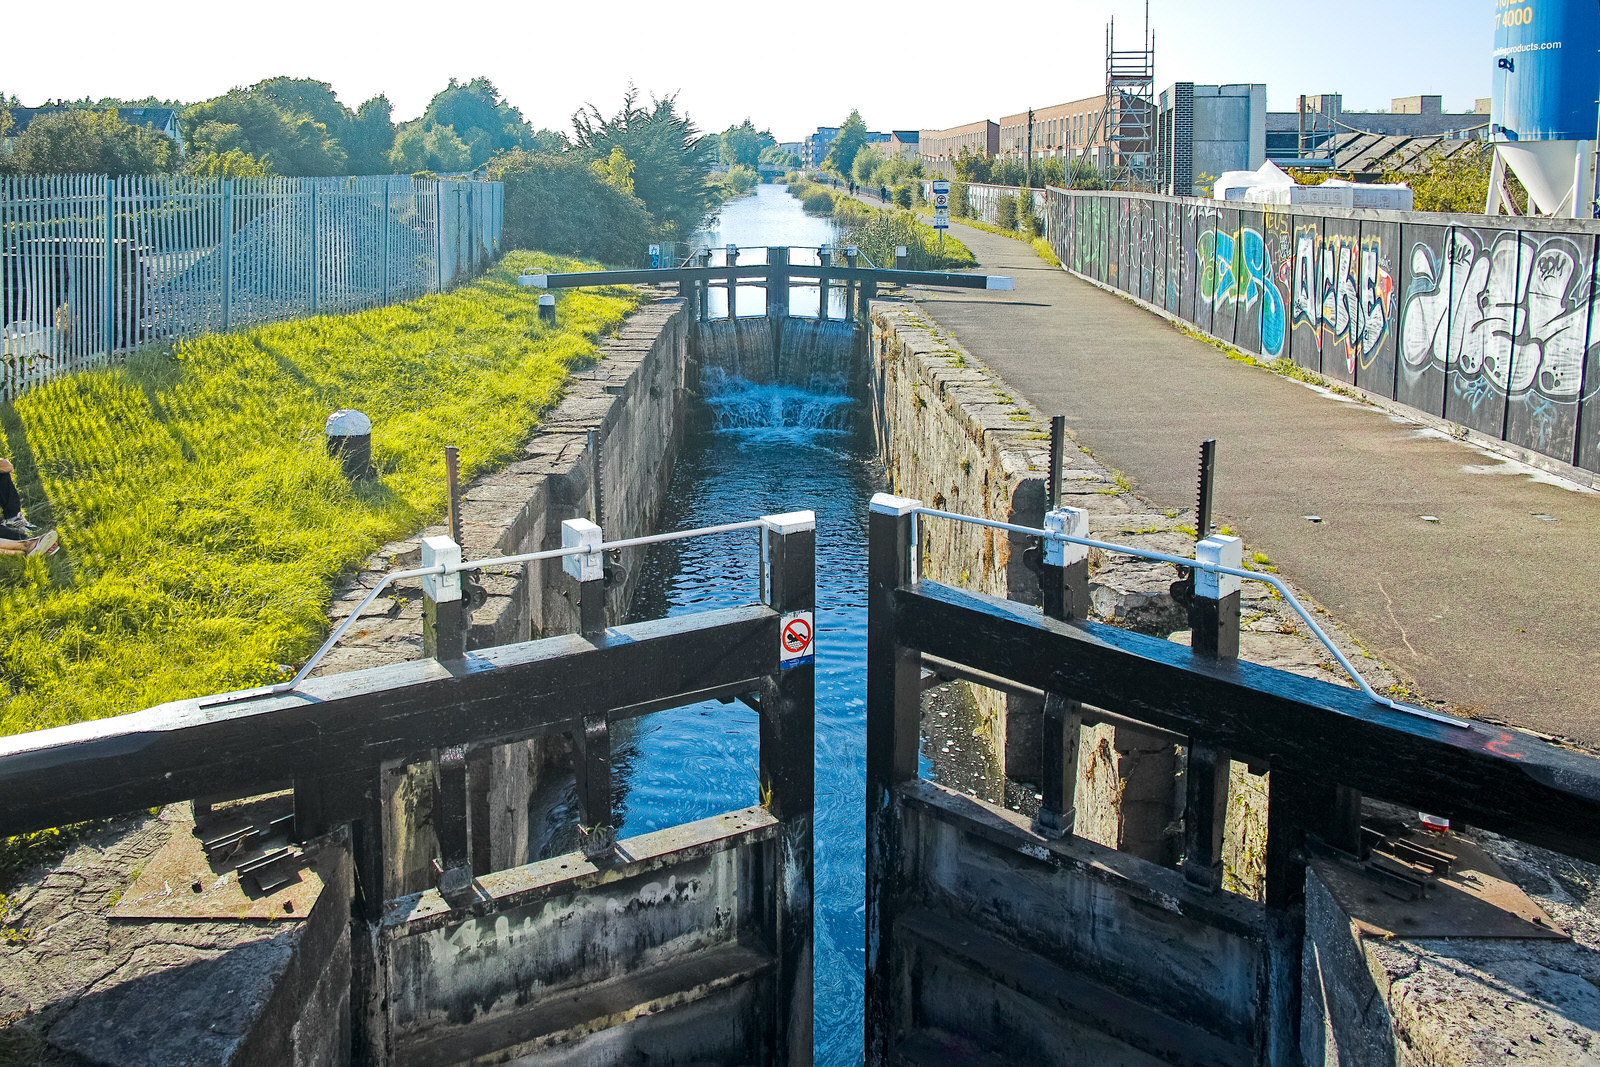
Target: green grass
(204,529)
(1282,366)
(1040,246)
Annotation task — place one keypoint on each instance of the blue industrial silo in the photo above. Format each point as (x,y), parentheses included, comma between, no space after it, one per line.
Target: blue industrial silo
(1546,101)
(1547,70)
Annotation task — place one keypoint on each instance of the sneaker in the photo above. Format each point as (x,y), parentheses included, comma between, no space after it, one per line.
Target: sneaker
(46,544)
(17,528)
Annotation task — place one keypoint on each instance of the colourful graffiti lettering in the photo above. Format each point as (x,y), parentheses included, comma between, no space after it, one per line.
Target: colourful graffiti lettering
(1233,270)
(1307,308)
(1357,302)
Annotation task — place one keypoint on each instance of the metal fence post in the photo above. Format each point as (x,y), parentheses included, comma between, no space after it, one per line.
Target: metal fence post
(316,255)
(227,253)
(110,304)
(384,238)
(788,761)
(894,704)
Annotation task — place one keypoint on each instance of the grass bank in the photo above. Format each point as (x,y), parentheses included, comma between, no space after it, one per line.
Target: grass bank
(1039,245)
(877,231)
(204,529)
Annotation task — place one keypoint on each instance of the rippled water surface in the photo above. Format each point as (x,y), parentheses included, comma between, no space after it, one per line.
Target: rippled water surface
(699,761)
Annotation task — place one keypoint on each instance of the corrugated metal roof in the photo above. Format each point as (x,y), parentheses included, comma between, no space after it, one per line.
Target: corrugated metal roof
(1370,153)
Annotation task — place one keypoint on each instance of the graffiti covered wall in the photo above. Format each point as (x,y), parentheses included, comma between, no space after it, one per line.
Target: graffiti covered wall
(1492,328)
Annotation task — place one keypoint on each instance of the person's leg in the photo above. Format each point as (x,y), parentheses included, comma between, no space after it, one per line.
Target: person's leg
(10,502)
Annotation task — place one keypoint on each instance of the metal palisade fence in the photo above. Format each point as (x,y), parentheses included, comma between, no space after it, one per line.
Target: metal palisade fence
(92,267)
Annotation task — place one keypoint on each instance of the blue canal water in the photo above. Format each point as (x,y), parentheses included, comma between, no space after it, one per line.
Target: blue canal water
(774,449)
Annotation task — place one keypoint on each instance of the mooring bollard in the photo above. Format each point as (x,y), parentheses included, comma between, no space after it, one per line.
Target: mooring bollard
(349,440)
(547,308)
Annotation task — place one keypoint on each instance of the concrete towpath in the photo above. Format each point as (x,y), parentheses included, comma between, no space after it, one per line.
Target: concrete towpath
(1475,579)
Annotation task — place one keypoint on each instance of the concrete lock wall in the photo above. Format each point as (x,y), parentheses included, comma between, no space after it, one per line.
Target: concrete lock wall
(630,404)
(1488,326)
(953,438)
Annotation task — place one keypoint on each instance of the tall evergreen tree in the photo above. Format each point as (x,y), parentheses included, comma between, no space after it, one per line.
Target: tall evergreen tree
(671,157)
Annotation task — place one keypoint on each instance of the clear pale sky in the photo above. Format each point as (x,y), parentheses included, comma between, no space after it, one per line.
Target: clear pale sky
(788,66)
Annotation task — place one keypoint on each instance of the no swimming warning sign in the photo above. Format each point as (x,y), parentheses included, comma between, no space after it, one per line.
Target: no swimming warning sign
(796,640)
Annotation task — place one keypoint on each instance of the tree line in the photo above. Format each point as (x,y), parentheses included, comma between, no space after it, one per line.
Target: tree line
(287,126)
(606,188)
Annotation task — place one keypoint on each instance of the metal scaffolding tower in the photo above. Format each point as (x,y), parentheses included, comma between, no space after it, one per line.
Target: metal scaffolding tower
(1129,117)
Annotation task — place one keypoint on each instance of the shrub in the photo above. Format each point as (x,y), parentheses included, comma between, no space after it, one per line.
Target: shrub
(1049,172)
(1459,183)
(1027,221)
(1005,212)
(879,233)
(902,196)
(560,204)
(738,181)
(81,141)
(818,203)
(234,163)
(959,205)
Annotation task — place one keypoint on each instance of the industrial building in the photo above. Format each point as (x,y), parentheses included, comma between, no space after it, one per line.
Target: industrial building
(1316,132)
(981,138)
(1203,131)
